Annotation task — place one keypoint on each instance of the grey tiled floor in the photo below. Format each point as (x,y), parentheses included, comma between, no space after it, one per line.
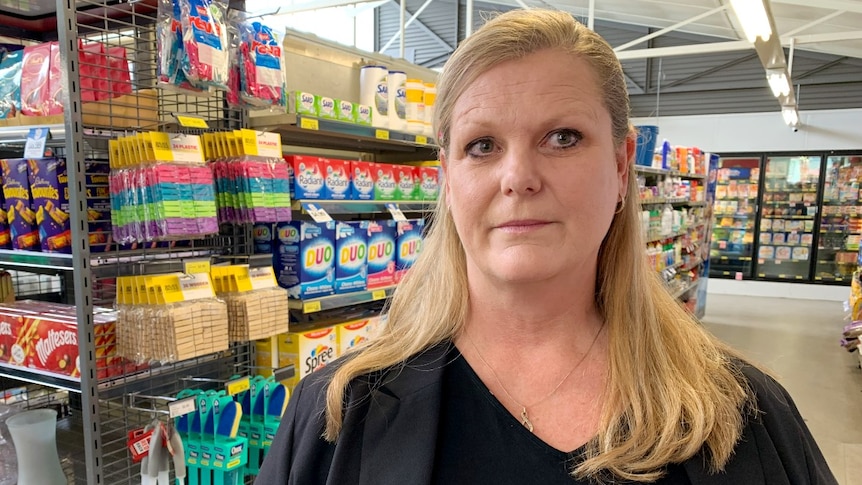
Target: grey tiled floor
(798,341)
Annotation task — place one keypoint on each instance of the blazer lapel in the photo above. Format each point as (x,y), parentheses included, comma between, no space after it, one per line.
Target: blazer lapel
(400,433)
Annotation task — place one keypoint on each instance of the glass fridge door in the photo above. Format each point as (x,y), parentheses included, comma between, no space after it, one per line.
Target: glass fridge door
(787,219)
(734,213)
(841,220)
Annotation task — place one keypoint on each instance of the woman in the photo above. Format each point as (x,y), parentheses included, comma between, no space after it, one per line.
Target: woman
(531,343)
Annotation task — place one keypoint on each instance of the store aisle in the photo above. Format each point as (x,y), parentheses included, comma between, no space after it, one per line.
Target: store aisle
(798,341)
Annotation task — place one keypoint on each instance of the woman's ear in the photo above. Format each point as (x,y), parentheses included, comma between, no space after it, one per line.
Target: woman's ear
(441,155)
(625,154)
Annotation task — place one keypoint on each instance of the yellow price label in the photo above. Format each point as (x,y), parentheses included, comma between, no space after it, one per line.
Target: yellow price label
(311,307)
(782,276)
(378,295)
(195,267)
(309,124)
(381,134)
(237,386)
(192,122)
(422,140)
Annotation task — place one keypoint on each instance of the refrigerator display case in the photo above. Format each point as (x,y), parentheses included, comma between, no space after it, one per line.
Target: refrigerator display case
(789,210)
(734,217)
(840,221)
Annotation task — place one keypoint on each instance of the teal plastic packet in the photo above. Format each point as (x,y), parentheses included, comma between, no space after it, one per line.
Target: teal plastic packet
(10,84)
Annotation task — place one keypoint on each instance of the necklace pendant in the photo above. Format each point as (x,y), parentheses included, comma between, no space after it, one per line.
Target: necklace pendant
(525,420)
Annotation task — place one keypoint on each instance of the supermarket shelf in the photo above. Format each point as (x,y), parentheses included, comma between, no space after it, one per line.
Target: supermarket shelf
(314,305)
(320,133)
(780,261)
(738,216)
(675,173)
(837,262)
(34,260)
(796,191)
(36,376)
(788,203)
(363,206)
(849,233)
(790,217)
(736,199)
(733,258)
(781,276)
(692,266)
(670,236)
(837,279)
(682,291)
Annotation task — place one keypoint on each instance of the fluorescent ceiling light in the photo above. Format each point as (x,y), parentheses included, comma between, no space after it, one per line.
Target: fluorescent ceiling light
(752,16)
(779,83)
(791,116)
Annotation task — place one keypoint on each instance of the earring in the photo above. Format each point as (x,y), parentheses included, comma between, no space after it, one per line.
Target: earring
(621,206)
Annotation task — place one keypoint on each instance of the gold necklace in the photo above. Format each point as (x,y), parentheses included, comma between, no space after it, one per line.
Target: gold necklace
(525,418)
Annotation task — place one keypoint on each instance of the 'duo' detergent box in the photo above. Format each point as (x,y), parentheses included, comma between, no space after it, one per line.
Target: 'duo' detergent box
(309,176)
(309,351)
(23,229)
(50,191)
(356,332)
(338,179)
(304,258)
(385,185)
(362,180)
(408,245)
(404,177)
(351,249)
(381,254)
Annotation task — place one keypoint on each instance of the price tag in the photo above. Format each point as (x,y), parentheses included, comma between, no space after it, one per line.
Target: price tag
(34,146)
(181,407)
(262,278)
(284,373)
(422,140)
(196,266)
(782,276)
(317,213)
(192,122)
(396,212)
(309,124)
(738,276)
(760,261)
(237,386)
(378,295)
(381,134)
(311,307)
(722,244)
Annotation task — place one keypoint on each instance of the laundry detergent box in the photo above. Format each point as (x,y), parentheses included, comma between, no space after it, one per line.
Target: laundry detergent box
(338,179)
(309,176)
(23,229)
(309,351)
(326,108)
(346,111)
(406,182)
(381,254)
(428,186)
(363,114)
(301,103)
(408,245)
(362,180)
(50,191)
(304,258)
(351,249)
(355,333)
(385,184)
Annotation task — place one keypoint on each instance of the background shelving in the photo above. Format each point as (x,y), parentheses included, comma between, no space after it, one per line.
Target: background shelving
(735,216)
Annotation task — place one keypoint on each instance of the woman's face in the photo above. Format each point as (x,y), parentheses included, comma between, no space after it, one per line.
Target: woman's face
(533,175)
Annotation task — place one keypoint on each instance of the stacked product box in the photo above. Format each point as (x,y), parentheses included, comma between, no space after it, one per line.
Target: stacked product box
(24,232)
(315,105)
(408,245)
(308,351)
(304,258)
(50,194)
(353,333)
(351,249)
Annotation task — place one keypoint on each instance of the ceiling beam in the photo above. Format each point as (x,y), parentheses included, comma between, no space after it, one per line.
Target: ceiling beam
(824,4)
(819,69)
(813,23)
(315,5)
(669,29)
(712,70)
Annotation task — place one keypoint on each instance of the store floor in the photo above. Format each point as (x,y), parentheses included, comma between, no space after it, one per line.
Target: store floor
(798,341)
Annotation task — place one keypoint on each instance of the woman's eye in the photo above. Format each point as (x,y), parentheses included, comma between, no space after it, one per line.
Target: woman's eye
(480,148)
(564,138)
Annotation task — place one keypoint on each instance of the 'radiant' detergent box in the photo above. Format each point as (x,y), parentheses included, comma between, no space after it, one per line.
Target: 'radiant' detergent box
(356,332)
(303,258)
(408,245)
(50,192)
(309,176)
(362,180)
(22,220)
(338,179)
(406,183)
(351,250)
(385,185)
(309,351)
(428,187)
(381,254)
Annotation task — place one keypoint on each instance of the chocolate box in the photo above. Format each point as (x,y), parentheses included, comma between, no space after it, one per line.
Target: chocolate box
(49,189)
(21,217)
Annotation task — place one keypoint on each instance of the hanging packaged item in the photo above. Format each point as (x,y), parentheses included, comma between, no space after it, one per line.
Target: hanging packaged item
(10,84)
(35,93)
(262,64)
(171,49)
(205,42)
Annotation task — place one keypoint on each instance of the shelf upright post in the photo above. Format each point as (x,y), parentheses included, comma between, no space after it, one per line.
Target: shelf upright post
(67,29)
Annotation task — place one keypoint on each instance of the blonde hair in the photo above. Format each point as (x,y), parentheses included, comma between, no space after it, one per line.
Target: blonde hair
(671,386)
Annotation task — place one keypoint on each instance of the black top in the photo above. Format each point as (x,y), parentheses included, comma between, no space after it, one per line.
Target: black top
(392,420)
(480,442)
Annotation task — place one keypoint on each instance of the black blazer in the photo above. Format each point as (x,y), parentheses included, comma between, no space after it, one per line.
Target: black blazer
(390,434)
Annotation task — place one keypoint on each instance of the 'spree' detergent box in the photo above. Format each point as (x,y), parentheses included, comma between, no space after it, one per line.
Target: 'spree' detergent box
(362,180)
(356,332)
(309,176)
(304,258)
(338,179)
(16,189)
(385,184)
(50,190)
(351,249)
(381,254)
(408,245)
(309,351)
